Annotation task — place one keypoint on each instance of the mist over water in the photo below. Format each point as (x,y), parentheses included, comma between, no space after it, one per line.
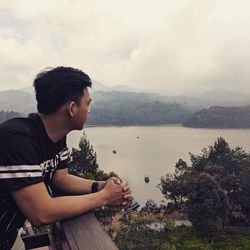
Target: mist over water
(151,150)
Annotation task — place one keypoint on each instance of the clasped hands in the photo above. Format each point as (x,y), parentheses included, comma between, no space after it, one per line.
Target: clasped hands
(123,191)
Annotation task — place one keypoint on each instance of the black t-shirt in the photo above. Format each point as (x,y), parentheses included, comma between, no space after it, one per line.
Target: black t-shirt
(27,156)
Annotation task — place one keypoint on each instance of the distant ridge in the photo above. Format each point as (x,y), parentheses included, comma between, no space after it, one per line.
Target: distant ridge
(122,105)
(18,101)
(220,117)
(197,100)
(28,89)
(97,86)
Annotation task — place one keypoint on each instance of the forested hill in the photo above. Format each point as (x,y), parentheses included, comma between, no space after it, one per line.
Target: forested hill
(220,117)
(130,108)
(119,108)
(137,113)
(111,108)
(18,101)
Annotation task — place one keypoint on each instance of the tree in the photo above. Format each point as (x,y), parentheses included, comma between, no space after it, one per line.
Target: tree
(207,206)
(225,165)
(84,163)
(176,186)
(139,233)
(244,198)
(83,160)
(228,169)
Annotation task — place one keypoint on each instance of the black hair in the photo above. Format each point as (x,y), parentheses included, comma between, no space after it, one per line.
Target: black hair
(56,86)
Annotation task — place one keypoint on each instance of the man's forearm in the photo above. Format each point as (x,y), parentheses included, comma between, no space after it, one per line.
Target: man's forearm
(68,206)
(46,210)
(70,184)
(40,208)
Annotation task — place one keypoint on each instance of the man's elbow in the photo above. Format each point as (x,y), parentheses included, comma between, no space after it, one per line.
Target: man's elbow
(39,221)
(41,218)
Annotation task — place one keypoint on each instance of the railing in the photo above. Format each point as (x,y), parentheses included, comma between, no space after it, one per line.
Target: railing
(82,232)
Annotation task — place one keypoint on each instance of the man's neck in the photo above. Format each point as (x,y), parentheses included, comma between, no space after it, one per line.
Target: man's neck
(55,126)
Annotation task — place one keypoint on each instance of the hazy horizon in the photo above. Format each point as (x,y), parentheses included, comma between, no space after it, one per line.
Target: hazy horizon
(175,47)
(194,94)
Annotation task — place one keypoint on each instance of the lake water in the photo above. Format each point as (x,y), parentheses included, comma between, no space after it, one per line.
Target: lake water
(154,153)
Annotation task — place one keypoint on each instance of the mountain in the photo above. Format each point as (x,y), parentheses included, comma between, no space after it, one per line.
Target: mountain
(219,97)
(28,89)
(110,107)
(18,101)
(220,117)
(197,100)
(128,108)
(96,86)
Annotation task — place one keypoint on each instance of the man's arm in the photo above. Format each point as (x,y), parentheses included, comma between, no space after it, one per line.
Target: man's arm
(70,184)
(40,208)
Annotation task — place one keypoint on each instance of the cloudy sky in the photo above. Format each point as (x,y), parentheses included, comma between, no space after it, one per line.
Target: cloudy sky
(176,46)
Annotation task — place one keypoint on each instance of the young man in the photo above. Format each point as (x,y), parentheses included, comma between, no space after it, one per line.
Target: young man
(34,155)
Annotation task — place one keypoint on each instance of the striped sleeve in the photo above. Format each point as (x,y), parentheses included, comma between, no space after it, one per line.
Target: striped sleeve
(63,158)
(64,155)
(19,162)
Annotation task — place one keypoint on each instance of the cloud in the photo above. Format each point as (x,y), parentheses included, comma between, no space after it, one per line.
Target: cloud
(173,45)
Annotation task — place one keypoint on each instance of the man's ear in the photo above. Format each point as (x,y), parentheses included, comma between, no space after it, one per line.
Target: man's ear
(71,108)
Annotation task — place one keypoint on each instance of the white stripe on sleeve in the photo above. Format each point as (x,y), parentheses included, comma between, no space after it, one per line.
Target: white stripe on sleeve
(64,153)
(20,175)
(20,167)
(64,158)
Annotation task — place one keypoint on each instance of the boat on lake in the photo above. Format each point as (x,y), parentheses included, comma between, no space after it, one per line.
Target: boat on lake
(146,179)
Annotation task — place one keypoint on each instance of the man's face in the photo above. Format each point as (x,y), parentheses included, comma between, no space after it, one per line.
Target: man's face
(82,110)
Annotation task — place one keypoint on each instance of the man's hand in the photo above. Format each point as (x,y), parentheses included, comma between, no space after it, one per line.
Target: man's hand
(102,184)
(127,195)
(124,192)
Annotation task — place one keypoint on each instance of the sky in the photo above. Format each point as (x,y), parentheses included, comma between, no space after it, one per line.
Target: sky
(165,45)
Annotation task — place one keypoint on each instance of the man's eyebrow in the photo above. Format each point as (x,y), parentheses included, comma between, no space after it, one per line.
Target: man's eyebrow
(89,101)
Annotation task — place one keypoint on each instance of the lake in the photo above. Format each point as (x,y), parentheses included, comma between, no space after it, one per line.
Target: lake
(151,150)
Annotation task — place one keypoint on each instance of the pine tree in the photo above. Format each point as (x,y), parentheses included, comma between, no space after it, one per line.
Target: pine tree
(83,160)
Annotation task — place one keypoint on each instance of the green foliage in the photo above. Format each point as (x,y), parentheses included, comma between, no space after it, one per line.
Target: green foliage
(169,226)
(215,190)
(41,229)
(176,187)
(139,233)
(83,160)
(124,108)
(105,214)
(220,117)
(207,205)
(188,238)
(99,175)
(226,166)
(215,186)
(135,234)
(244,198)
(84,163)
(220,154)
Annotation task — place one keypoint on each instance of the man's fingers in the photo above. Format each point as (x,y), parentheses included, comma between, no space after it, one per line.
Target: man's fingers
(124,203)
(125,189)
(127,196)
(124,184)
(115,179)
